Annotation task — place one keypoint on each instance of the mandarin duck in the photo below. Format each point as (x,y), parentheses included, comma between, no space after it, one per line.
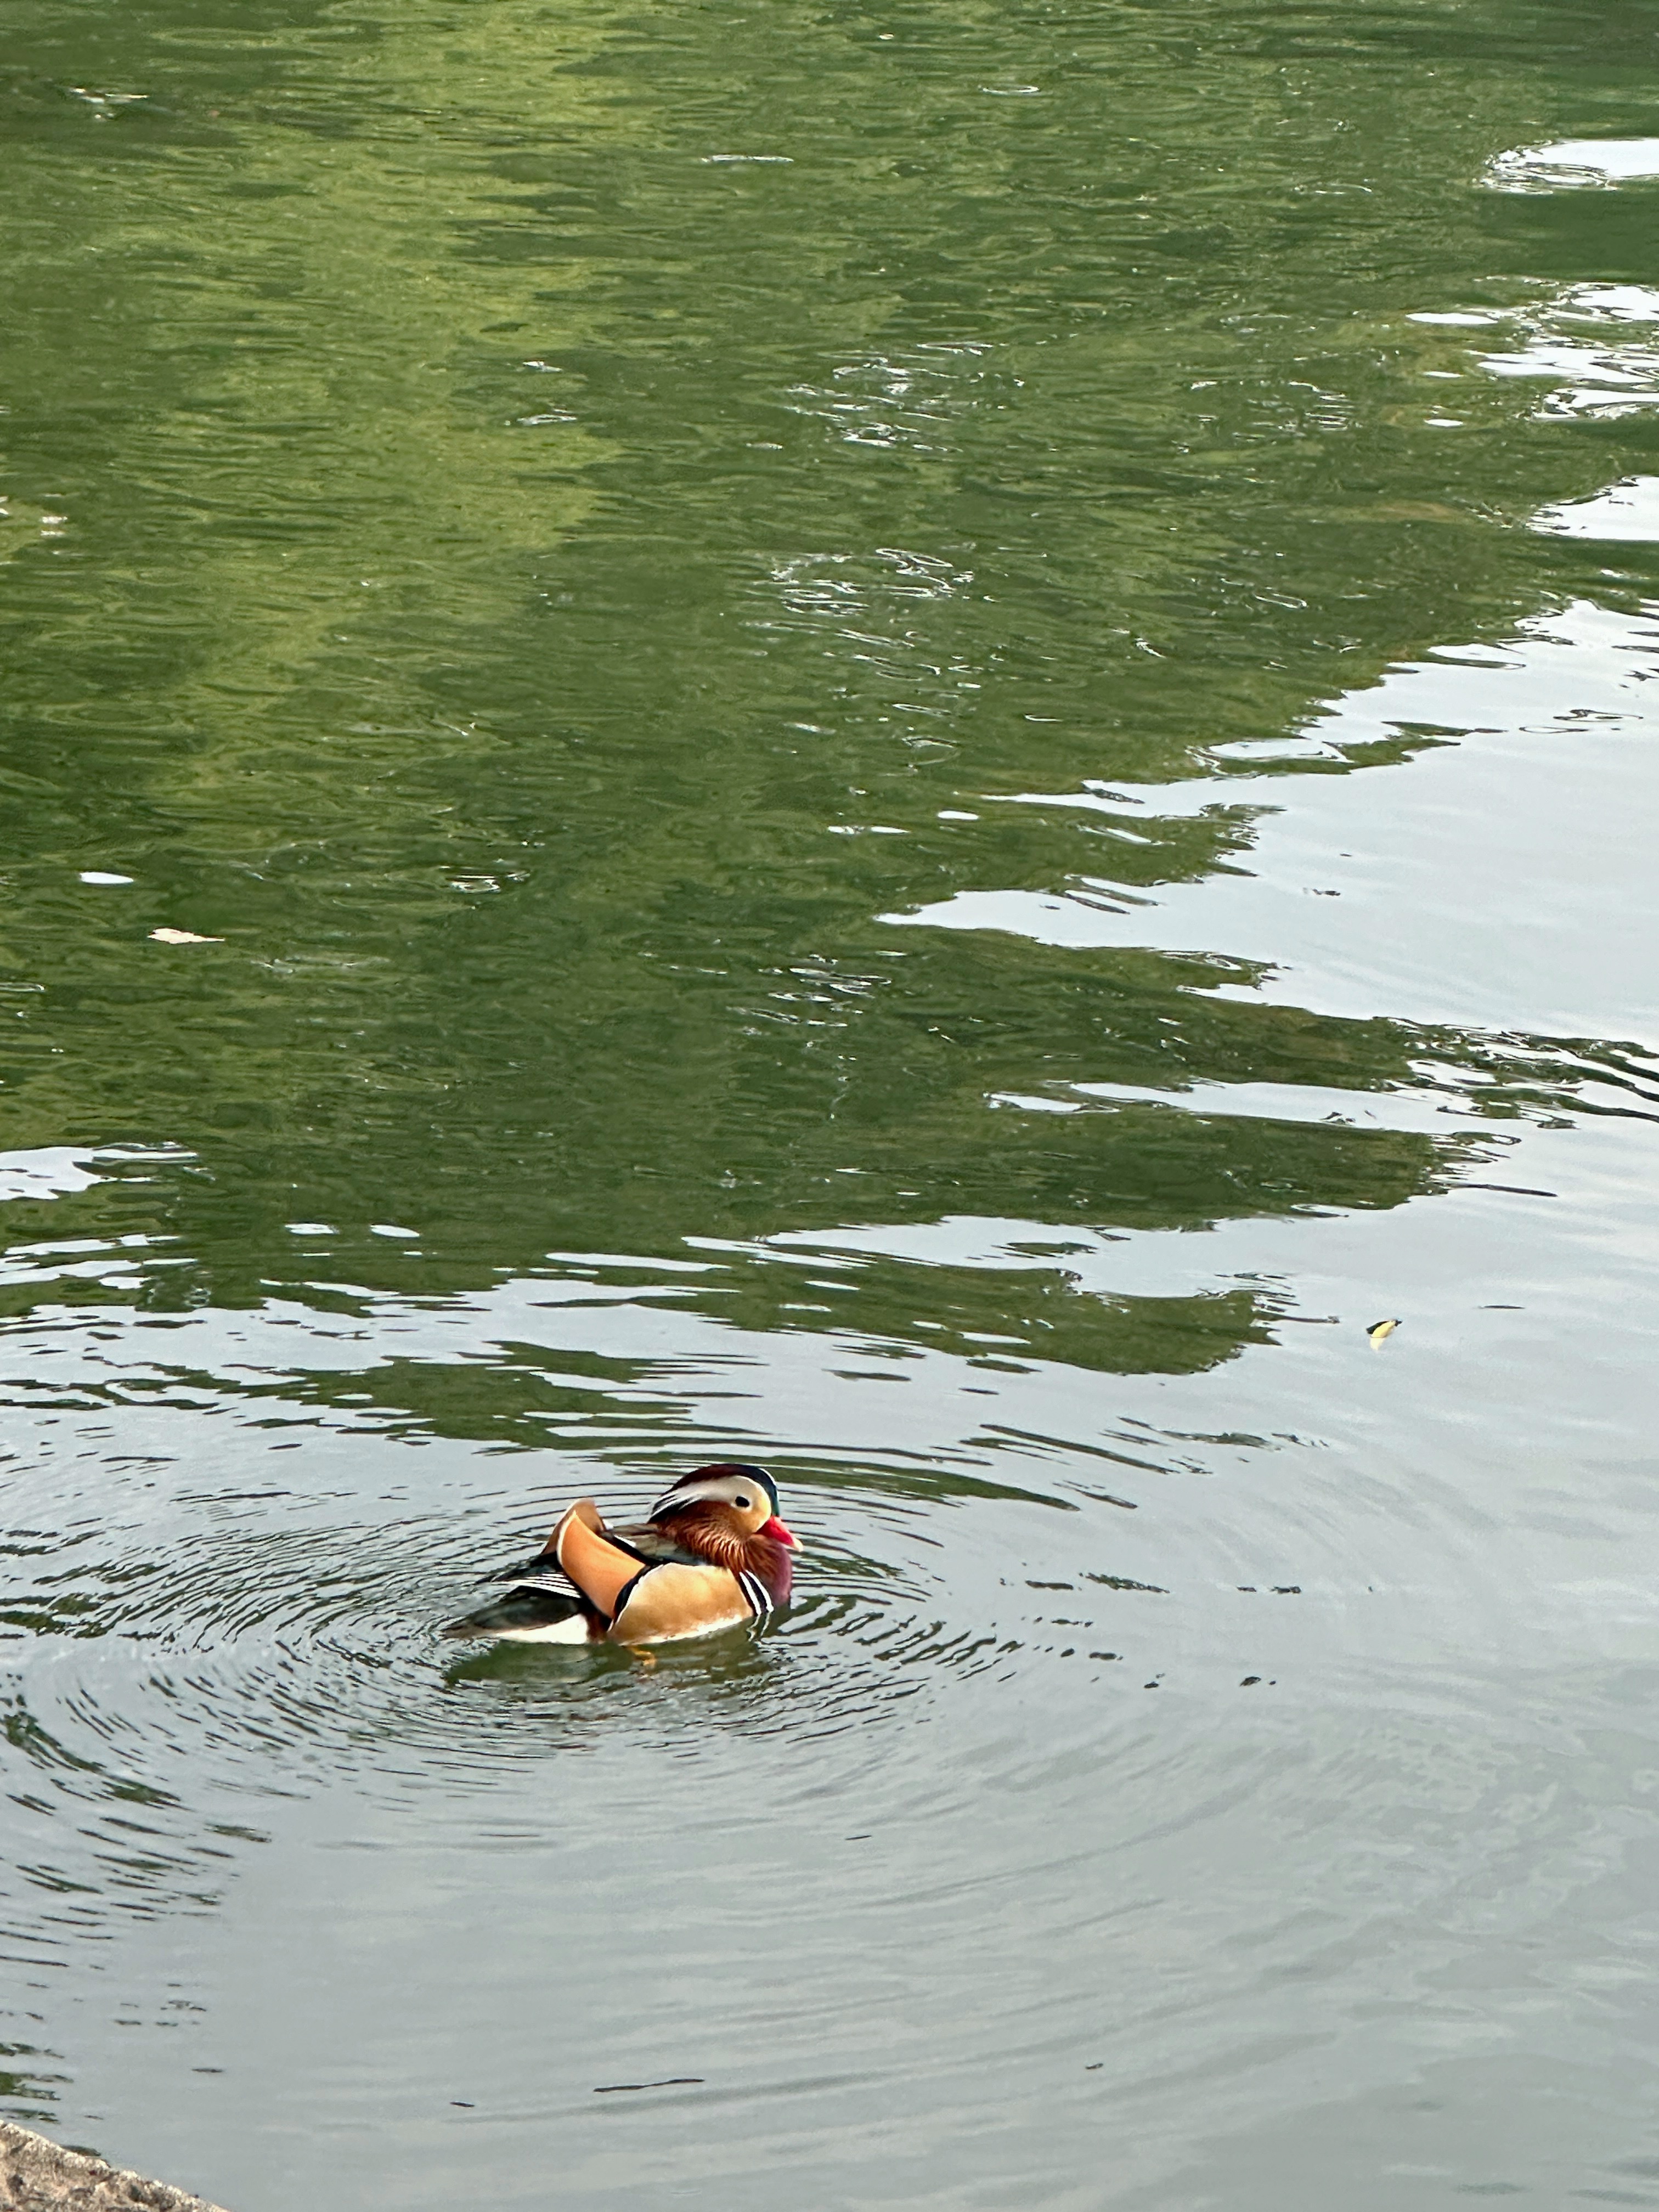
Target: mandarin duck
(712,1553)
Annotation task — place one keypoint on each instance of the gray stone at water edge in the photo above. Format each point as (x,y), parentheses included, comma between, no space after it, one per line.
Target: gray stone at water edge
(38,2176)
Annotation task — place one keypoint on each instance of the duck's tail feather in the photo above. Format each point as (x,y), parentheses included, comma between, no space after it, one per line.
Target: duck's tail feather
(544,1563)
(532,1616)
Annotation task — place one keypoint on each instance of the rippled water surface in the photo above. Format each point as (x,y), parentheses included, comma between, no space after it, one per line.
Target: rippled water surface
(914,741)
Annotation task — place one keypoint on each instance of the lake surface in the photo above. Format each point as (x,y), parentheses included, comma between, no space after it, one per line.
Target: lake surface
(916,742)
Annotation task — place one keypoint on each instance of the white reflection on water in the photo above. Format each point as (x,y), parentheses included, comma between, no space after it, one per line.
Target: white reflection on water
(1605,381)
(1574,336)
(1425,1108)
(58,1170)
(46,1171)
(1627,511)
(1574,163)
(1527,767)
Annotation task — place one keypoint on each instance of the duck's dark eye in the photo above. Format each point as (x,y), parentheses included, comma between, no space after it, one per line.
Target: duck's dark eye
(743,1502)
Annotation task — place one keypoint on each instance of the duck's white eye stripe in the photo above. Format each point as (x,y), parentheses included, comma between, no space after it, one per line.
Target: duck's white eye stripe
(676,1501)
(693,1493)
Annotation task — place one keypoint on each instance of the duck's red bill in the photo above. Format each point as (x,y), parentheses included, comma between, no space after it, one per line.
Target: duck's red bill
(775,1529)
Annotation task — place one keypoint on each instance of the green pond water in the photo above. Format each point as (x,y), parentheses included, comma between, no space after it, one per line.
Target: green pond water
(916,742)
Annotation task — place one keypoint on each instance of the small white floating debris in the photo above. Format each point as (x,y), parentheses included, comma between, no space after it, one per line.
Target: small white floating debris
(183,937)
(102,875)
(308,1229)
(391,1228)
(1381,1331)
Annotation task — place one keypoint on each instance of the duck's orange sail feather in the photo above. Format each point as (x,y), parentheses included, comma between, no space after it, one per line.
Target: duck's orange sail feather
(600,1567)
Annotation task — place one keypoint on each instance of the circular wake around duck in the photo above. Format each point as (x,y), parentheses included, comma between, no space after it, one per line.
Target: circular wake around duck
(282,1645)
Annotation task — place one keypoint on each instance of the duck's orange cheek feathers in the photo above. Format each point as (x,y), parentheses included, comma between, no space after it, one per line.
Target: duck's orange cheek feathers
(775,1529)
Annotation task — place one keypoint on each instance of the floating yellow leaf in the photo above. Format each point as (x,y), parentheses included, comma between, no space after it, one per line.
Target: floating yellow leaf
(1381,1331)
(183,937)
